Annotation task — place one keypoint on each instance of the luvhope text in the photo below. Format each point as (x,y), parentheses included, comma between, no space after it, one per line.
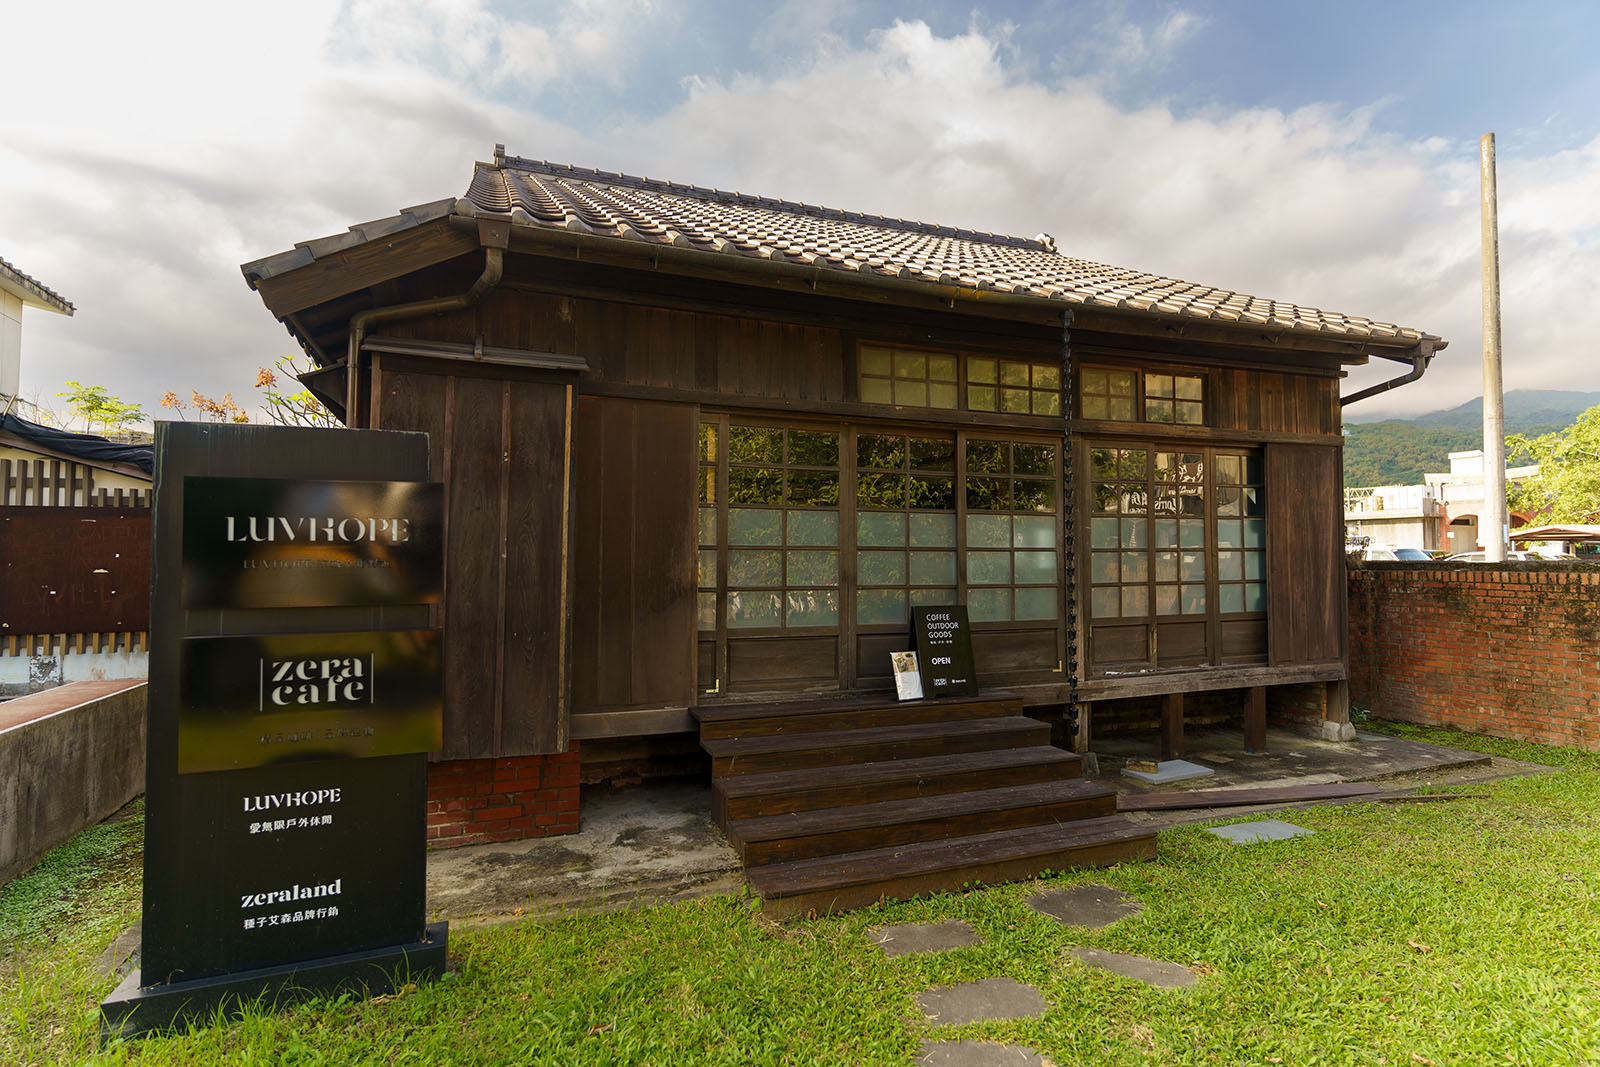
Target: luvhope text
(312,529)
(304,798)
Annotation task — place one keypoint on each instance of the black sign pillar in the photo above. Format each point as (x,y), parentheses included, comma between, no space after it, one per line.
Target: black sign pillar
(294,695)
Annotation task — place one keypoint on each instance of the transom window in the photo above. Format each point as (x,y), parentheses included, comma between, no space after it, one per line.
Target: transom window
(1013,387)
(909,378)
(1128,396)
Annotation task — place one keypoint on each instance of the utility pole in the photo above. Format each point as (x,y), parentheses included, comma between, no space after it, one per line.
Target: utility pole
(1492,528)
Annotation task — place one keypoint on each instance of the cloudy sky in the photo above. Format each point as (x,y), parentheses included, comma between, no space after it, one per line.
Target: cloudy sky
(1321,153)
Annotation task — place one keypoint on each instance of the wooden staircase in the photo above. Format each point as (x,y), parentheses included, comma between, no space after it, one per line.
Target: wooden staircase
(832,808)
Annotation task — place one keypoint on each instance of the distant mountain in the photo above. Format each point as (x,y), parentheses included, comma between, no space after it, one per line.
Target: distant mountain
(1399,451)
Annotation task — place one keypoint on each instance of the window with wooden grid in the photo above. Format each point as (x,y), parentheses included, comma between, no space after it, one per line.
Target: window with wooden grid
(1156,515)
(1012,567)
(907,378)
(905,525)
(1013,387)
(902,377)
(779,562)
(1131,396)
(1241,534)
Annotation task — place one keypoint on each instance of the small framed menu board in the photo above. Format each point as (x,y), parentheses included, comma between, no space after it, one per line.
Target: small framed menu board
(944,651)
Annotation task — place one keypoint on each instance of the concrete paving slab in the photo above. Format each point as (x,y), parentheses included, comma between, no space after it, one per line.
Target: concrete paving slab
(910,938)
(977,1054)
(1157,973)
(1249,833)
(973,1002)
(1090,905)
(1172,770)
(643,844)
(1289,758)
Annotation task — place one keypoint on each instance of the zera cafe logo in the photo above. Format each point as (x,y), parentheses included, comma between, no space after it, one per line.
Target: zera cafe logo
(320,681)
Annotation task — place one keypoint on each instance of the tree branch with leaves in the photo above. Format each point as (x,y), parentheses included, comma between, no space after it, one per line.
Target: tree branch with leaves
(1567,489)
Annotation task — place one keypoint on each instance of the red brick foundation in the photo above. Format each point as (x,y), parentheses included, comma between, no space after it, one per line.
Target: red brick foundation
(471,802)
(1503,649)
(1300,707)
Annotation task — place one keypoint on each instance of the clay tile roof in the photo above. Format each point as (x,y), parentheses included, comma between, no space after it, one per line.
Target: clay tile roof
(554,196)
(31,291)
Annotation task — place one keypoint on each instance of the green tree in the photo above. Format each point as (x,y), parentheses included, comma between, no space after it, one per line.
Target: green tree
(94,404)
(1568,487)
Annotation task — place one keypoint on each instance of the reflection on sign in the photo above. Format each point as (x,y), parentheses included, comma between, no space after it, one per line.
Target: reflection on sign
(278,698)
(273,543)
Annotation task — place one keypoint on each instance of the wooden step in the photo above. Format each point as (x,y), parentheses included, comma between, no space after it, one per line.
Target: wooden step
(747,796)
(854,880)
(805,835)
(757,755)
(757,720)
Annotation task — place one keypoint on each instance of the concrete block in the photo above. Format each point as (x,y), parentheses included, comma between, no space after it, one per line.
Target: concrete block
(1172,770)
(1338,731)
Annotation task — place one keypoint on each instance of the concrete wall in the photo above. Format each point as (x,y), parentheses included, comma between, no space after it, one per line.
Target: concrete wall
(1511,650)
(69,757)
(22,674)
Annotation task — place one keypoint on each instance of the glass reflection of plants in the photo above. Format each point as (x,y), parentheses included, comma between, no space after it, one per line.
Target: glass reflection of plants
(783,527)
(905,525)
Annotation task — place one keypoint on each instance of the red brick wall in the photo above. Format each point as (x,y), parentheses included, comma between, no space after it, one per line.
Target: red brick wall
(474,801)
(1302,707)
(1511,650)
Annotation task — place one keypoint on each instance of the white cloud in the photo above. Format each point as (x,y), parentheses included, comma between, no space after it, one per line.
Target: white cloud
(199,143)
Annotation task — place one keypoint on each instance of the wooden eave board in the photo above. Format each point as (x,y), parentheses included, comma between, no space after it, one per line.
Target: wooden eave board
(364,265)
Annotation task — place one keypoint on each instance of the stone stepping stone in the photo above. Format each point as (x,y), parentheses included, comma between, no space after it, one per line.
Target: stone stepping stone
(1157,973)
(909,938)
(976,1054)
(1090,905)
(1249,833)
(976,1002)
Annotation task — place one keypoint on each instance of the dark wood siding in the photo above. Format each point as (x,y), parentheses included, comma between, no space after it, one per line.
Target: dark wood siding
(1305,561)
(1273,402)
(634,555)
(501,446)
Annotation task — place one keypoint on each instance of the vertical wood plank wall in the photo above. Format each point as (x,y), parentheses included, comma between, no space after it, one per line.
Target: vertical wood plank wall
(501,445)
(1305,563)
(634,548)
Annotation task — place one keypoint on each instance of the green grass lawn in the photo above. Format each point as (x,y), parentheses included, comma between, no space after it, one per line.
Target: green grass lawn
(1464,932)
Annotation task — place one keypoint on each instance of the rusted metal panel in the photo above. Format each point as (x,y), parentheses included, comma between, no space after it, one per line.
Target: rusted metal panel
(74,570)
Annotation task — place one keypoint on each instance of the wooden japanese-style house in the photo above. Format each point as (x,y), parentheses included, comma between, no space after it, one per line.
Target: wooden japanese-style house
(704,450)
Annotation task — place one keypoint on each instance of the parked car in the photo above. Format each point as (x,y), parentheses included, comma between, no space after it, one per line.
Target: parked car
(1513,556)
(1386,552)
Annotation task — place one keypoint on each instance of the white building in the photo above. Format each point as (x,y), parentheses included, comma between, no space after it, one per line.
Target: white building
(1440,514)
(18,291)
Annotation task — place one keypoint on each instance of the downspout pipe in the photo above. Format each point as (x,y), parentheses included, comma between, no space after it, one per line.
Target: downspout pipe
(495,239)
(1418,358)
